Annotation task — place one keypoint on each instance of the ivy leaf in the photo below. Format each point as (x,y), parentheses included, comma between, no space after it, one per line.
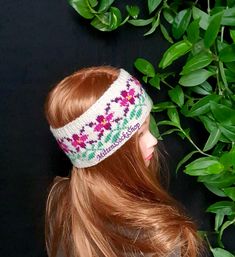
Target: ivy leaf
(213,29)
(193,31)
(145,67)
(140,22)
(133,11)
(195,78)
(180,23)
(82,7)
(153,4)
(177,95)
(197,62)
(227,54)
(212,139)
(93,3)
(174,52)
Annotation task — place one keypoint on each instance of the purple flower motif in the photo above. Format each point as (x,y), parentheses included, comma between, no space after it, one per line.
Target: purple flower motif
(103,122)
(79,141)
(128,97)
(62,145)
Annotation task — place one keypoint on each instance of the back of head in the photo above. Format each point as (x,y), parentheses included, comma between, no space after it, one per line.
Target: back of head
(117,207)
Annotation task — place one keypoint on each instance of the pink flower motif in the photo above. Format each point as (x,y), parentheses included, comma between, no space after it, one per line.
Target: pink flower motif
(103,122)
(62,145)
(79,141)
(136,81)
(128,97)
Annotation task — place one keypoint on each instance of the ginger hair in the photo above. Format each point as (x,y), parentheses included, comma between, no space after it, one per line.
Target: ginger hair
(117,208)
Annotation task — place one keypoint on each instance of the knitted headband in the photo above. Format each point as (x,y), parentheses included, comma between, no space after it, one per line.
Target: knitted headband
(107,124)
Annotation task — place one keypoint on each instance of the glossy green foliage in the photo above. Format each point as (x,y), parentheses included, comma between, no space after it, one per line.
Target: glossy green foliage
(202,41)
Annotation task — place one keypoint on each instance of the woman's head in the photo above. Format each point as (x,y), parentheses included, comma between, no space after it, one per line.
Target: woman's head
(102,208)
(95,111)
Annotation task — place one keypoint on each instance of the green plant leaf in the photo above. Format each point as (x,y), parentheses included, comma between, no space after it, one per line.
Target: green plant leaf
(168,14)
(223,227)
(174,52)
(215,190)
(133,10)
(228,159)
(204,166)
(230,192)
(153,128)
(170,131)
(155,24)
(204,17)
(82,7)
(222,113)
(185,159)
(212,139)
(228,18)
(228,132)
(195,78)
(181,23)
(232,35)
(213,29)
(153,4)
(204,89)
(166,34)
(202,106)
(155,81)
(102,23)
(227,54)
(145,67)
(193,31)
(104,5)
(225,207)
(197,62)
(166,123)
(174,116)
(140,22)
(219,218)
(219,252)
(224,179)
(177,95)
(93,3)
(162,106)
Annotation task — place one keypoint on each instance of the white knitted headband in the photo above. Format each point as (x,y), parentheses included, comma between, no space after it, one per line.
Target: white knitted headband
(107,124)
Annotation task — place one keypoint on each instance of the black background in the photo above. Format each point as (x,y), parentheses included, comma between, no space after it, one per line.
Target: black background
(40,43)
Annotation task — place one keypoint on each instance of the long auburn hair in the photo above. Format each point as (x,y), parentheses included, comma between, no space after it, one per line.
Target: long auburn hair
(118,207)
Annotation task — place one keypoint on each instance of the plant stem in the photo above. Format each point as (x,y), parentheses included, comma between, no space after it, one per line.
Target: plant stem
(208,7)
(191,141)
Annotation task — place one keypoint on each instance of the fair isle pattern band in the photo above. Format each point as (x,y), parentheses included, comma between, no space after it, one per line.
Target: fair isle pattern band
(107,124)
